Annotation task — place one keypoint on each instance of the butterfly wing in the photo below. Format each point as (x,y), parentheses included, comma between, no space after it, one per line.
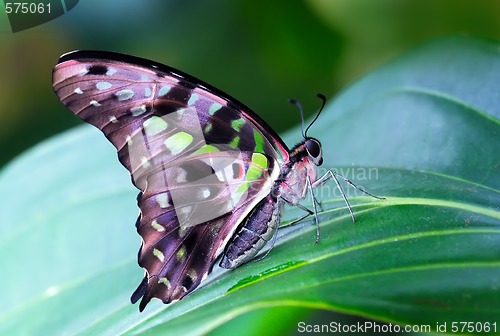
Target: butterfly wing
(201,159)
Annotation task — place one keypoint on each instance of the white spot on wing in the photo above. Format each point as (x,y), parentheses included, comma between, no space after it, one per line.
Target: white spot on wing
(181,175)
(164,90)
(138,110)
(103,85)
(95,103)
(221,175)
(111,71)
(185,211)
(162,200)
(204,193)
(192,99)
(124,94)
(78,91)
(83,72)
(180,112)
(113,119)
(145,162)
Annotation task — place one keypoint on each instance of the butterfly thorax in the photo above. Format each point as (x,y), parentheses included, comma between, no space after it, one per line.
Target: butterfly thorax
(291,185)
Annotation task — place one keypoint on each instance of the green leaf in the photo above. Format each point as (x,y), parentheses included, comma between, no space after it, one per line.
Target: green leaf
(422,131)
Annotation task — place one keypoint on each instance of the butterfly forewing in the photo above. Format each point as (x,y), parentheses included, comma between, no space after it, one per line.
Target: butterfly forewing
(201,160)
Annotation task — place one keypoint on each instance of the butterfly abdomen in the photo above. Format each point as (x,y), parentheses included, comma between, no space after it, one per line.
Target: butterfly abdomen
(255,231)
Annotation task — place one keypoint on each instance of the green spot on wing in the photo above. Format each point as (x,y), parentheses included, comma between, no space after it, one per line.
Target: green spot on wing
(164,281)
(237,124)
(208,128)
(259,163)
(259,142)
(253,173)
(178,142)
(214,108)
(158,254)
(234,143)
(259,160)
(181,253)
(157,226)
(154,125)
(206,149)
(242,188)
(192,274)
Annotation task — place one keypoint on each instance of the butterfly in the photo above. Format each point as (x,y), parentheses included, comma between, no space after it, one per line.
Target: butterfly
(213,176)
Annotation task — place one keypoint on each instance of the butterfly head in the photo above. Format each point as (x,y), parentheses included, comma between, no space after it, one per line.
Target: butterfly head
(313,150)
(309,149)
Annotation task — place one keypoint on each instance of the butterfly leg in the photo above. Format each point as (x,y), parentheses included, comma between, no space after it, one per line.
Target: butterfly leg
(310,189)
(320,204)
(309,212)
(331,174)
(295,221)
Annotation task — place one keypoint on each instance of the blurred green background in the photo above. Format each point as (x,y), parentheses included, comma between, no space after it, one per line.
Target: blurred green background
(261,52)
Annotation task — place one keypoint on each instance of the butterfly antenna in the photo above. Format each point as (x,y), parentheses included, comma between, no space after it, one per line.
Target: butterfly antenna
(293,101)
(323,98)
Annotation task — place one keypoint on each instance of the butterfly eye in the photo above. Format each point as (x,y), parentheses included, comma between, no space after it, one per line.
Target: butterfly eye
(314,149)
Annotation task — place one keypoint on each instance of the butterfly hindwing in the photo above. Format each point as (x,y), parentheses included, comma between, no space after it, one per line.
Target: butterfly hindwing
(201,160)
